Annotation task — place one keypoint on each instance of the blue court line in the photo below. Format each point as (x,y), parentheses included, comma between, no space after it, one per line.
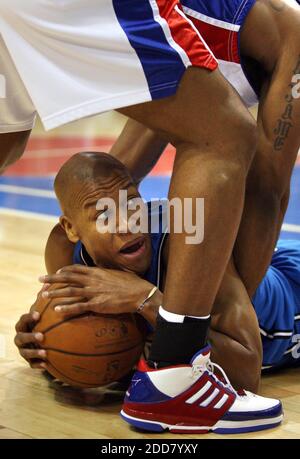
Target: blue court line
(31,204)
(43,183)
(151,188)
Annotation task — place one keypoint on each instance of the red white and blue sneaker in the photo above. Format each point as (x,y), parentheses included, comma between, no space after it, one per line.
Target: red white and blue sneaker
(193,399)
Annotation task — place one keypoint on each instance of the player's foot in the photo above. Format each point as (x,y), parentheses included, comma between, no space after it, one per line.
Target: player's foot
(193,399)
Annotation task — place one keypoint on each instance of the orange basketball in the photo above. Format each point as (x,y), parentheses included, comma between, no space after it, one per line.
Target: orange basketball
(89,350)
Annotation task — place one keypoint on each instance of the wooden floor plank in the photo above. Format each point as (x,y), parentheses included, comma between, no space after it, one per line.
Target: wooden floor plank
(8,434)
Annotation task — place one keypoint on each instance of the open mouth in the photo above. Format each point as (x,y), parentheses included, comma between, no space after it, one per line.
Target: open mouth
(134,248)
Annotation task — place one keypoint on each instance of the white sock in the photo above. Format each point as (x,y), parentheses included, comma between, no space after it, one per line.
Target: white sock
(177,318)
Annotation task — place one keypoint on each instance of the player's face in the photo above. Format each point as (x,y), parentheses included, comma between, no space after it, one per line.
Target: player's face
(128,251)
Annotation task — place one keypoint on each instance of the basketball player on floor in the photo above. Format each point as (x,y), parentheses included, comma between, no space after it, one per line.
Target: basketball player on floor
(215,158)
(275,300)
(121,269)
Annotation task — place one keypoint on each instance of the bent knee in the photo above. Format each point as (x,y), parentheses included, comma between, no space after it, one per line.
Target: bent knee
(241,139)
(242,151)
(235,149)
(247,141)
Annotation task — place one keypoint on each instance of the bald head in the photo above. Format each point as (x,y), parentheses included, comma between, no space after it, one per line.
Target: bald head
(82,170)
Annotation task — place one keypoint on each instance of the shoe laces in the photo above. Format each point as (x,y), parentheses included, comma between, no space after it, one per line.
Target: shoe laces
(210,367)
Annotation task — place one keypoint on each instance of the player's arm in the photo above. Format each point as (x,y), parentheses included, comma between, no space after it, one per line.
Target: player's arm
(59,250)
(138,148)
(271,37)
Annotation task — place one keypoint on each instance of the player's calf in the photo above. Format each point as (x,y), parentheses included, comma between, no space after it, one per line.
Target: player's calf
(240,360)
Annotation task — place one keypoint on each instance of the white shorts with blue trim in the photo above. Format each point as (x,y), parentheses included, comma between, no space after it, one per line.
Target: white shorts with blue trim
(77,58)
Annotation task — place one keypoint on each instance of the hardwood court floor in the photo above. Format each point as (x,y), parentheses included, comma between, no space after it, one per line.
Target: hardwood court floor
(31,406)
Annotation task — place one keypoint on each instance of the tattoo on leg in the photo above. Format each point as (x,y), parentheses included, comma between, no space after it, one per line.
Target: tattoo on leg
(277,5)
(284,123)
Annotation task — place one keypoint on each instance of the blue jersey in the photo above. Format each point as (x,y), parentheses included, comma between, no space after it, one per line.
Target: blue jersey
(277,305)
(276,301)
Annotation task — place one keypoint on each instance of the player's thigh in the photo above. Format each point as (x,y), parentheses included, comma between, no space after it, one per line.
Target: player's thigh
(205,110)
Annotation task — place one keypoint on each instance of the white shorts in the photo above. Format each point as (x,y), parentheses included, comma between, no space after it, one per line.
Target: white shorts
(17,112)
(77,58)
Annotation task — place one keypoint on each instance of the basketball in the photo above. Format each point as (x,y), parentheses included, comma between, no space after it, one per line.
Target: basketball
(89,350)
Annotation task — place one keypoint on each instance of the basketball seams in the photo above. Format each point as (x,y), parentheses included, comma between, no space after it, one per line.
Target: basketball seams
(77,383)
(70,319)
(94,355)
(74,381)
(67,319)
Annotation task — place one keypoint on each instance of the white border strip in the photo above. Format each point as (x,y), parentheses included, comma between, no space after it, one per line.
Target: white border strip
(29,215)
(210,20)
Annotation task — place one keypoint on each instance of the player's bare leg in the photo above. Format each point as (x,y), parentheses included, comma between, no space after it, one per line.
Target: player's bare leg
(215,138)
(182,341)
